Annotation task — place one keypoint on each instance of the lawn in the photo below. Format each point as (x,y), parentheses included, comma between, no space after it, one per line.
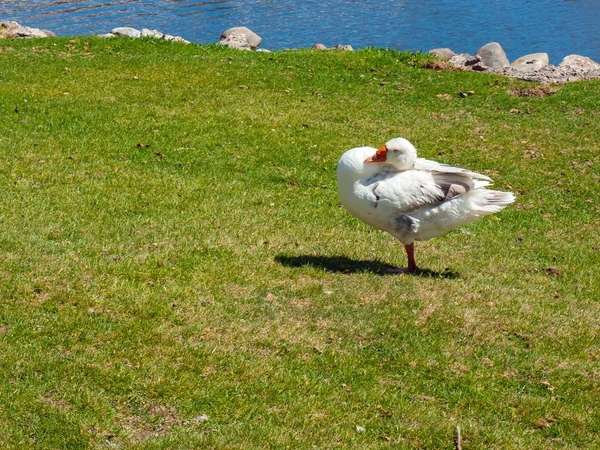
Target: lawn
(176,270)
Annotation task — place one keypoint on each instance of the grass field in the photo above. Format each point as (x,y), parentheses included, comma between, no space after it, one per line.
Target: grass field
(176,270)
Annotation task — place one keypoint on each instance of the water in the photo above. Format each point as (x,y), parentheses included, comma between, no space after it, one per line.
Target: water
(557,27)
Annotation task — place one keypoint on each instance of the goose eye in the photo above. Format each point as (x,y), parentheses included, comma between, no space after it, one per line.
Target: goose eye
(396,151)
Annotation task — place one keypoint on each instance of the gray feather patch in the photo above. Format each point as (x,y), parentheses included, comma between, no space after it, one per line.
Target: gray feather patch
(406,224)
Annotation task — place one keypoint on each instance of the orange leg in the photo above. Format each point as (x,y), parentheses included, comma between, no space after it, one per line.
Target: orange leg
(410,252)
(412,265)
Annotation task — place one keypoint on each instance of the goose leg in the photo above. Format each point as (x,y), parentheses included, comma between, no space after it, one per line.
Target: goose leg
(412,265)
(410,252)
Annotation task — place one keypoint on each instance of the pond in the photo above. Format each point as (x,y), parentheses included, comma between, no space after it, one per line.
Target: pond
(557,27)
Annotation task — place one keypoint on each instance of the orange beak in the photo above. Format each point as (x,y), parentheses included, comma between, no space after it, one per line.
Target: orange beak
(379,156)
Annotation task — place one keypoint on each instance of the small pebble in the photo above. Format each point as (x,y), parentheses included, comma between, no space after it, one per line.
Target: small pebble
(200,419)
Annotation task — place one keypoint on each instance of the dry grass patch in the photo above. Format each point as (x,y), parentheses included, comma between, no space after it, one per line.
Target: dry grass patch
(541,91)
(436,64)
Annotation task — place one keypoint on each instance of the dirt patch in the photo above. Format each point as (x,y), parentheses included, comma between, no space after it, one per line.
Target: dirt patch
(543,90)
(439,65)
(154,422)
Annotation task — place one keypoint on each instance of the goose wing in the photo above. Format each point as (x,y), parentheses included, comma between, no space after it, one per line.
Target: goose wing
(406,192)
(436,167)
(452,180)
(428,184)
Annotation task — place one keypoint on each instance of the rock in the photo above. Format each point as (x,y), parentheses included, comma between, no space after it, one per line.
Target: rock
(576,68)
(133,33)
(533,67)
(319,46)
(467,61)
(443,53)
(578,63)
(343,47)
(151,33)
(460,59)
(530,63)
(168,37)
(492,55)
(10,29)
(126,31)
(240,38)
(180,40)
(200,419)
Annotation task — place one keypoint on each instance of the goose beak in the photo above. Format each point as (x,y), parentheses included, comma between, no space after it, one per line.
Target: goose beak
(379,156)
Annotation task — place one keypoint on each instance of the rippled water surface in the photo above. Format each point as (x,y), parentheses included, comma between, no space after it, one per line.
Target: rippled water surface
(558,27)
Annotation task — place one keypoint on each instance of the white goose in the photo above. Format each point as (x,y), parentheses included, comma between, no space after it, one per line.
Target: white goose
(412,198)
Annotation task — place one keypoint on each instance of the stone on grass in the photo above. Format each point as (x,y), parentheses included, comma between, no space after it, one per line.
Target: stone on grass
(180,40)
(443,53)
(460,59)
(10,29)
(493,55)
(134,33)
(531,62)
(126,31)
(151,33)
(240,38)
(343,47)
(578,63)
(472,62)
(319,46)
(202,418)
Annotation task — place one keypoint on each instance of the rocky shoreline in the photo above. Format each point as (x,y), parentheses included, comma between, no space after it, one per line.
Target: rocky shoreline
(490,58)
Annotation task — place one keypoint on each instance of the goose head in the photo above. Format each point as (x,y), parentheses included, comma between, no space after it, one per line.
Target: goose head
(398,153)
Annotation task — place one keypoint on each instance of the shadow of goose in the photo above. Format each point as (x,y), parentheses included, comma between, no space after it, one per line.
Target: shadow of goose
(342,264)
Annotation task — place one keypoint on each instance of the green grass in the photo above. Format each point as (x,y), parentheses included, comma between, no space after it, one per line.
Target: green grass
(173,246)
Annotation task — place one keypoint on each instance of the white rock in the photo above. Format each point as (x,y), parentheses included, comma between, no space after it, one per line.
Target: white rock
(343,47)
(460,59)
(126,31)
(579,63)
(200,419)
(11,29)
(240,38)
(180,40)
(151,33)
(468,61)
(530,63)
